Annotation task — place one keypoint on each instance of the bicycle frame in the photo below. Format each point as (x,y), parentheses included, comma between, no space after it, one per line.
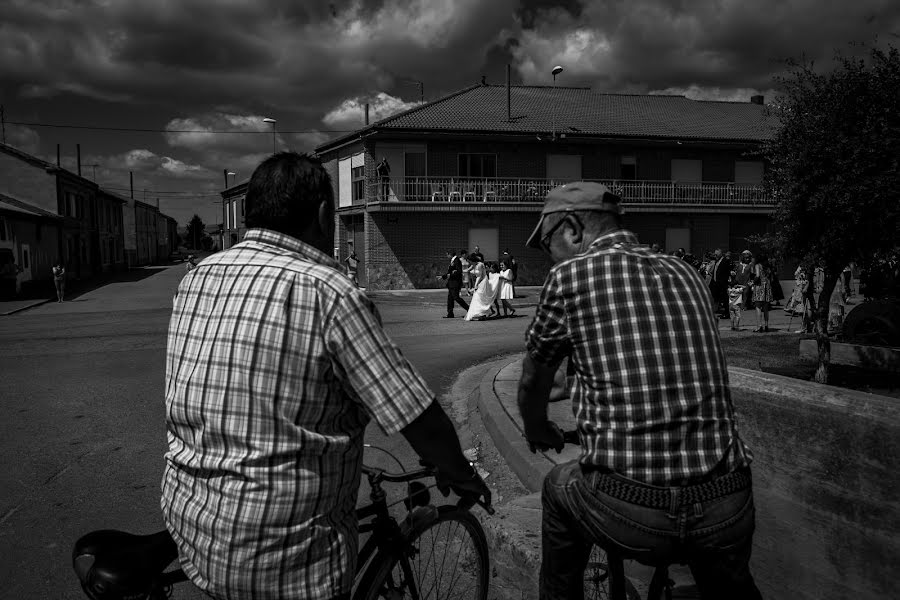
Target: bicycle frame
(386,532)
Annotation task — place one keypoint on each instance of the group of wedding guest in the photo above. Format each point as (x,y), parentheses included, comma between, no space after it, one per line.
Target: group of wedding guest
(490,285)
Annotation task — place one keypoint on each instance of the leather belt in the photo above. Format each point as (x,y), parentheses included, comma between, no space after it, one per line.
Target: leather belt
(666,498)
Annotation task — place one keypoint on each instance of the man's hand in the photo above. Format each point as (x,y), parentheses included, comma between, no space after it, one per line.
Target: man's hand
(470,489)
(549,436)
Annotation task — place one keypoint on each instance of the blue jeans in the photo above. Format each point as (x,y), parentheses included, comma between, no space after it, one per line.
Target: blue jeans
(713,538)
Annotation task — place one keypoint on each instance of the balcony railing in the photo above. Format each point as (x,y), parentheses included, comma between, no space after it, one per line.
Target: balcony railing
(488,189)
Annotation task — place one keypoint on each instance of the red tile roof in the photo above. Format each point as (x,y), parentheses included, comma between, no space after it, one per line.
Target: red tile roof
(581,112)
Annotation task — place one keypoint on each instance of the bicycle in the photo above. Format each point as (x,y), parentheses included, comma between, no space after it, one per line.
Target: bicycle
(115,565)
(604,576)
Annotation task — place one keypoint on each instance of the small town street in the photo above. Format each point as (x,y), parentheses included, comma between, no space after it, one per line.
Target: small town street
(82,397)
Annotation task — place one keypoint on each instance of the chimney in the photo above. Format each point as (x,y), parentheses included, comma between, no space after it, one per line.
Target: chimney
(78,157)
(508,96)
(758,99)
(57,156)
(131,182)
(367,113)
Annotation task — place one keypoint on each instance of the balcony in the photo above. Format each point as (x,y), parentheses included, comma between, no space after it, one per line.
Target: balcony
(517,190)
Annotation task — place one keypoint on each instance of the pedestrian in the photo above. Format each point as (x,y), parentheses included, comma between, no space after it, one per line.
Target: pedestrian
(190,264)
(478,254)
(513,265)
(352,262)
(762,292)
(486,289)
(744,276)
(383,171)
(794,305)
(466,272)
(718,281)
(59,280)
(453,277)
(661,467)
(736,304)
(276,362)
(506,289)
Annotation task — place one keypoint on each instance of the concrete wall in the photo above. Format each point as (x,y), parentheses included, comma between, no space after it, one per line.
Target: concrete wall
(825,485)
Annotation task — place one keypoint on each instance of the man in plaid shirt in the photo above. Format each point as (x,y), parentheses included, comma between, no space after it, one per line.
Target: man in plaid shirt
(663,475)
(275,363)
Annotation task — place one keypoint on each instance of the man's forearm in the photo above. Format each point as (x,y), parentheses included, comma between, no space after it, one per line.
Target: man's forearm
(534,393)
(434,439)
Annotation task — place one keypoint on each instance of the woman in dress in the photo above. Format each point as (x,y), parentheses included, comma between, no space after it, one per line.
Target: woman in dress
(744,276)
(506,289)
(466,268)
(762,292)
(794,306)
(487,285)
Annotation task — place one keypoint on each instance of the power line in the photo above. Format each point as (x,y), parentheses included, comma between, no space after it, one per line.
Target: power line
(136,129)
(159,193)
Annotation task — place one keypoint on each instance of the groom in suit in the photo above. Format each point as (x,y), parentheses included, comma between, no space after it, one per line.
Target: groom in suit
(454,283)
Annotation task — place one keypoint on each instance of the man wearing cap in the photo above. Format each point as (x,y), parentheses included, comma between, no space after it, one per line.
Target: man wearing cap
(663,475)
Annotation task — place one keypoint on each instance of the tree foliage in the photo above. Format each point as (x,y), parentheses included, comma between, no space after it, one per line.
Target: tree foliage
(835,165)
(195,231)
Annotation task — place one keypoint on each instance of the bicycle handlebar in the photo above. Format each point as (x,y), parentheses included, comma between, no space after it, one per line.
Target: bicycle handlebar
(379,475)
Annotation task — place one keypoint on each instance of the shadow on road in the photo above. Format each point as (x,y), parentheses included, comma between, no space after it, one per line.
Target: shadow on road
(76,289)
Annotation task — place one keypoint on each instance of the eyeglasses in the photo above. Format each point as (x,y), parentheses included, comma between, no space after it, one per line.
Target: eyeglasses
(545,239)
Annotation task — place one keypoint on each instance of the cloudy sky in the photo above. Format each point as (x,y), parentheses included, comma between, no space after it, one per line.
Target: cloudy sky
(163,77)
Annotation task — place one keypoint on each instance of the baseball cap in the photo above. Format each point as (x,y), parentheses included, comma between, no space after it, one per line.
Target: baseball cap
(579,195)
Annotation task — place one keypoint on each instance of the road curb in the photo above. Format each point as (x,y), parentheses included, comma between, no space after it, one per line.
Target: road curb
(23,308)
(507,437)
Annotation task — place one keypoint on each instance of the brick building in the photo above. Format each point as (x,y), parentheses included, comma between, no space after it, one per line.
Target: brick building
(473,168)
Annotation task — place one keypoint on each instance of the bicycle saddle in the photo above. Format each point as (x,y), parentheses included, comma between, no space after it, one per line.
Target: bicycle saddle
(114,564)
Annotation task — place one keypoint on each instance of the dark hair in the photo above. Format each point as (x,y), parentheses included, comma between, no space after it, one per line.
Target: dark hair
(473,257)
(285,192)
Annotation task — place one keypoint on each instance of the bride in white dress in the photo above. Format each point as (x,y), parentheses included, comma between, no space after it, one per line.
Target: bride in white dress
(487,286)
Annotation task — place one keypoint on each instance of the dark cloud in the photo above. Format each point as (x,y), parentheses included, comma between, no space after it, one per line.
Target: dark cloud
(208,65)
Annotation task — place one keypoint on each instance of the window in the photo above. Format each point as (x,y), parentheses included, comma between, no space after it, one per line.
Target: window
(26,263)
(69,204)
(477,165)
(628,168)
(2,229)
(358,179)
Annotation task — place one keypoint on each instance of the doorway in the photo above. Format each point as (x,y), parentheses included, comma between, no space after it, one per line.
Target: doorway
(488,240)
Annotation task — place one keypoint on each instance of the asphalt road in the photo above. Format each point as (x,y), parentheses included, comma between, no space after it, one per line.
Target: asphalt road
(81,407)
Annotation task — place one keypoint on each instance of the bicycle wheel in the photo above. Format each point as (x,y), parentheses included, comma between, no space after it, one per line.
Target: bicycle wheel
(596,578)
(446,559)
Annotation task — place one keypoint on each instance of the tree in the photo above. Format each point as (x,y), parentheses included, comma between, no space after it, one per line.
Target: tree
(835,170)
(195,231)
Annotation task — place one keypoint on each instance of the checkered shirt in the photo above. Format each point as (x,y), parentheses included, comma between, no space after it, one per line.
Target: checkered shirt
(650,396)
(275,363)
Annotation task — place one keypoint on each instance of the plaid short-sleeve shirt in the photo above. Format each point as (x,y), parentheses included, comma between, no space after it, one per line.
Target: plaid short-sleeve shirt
(275,363)
(650,396)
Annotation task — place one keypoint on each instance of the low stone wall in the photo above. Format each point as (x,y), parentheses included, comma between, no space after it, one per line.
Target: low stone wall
(825,485)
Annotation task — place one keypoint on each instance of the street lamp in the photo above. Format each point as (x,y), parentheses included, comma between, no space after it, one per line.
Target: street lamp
(272,121)
(556,71)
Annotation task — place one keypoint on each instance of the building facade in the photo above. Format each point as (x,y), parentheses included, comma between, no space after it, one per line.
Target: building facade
(29,247)
(234,227)
(474,168)
(110,221)
(141,239)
